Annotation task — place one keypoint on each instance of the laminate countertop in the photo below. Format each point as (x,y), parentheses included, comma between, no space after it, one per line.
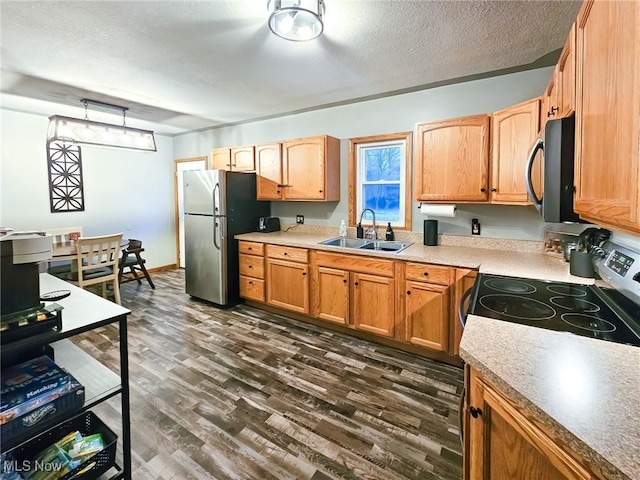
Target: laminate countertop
(584,391)
(494,261)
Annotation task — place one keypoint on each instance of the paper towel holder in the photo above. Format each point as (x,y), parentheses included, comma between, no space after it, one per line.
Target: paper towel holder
(437,206)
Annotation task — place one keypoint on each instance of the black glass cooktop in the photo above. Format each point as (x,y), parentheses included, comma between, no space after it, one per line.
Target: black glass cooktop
(584,310)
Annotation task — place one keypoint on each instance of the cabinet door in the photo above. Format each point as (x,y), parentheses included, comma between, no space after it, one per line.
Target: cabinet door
(514,130)
(269,170)
(427,315)
(464,281)
(221,159)
(453,160)
(331,300)
(303,165)
(288,285)
(551,107)
(242,159)
(566,76)
(505,445)
(608,114)
(372,298)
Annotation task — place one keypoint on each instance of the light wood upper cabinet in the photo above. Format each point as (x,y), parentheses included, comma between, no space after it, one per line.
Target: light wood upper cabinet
(452,160)
(566,76)
(269,170)
(551,99)
(237,159)
(221,159)
(243,159)
(607,157)
(513,133)
(503,444)
(301,169)
(311,169)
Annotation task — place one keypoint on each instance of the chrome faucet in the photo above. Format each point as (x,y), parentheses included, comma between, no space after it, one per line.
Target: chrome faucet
(371,232)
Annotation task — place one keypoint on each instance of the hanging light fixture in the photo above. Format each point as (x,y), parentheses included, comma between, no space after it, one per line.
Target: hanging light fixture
(88,132)
(296,20)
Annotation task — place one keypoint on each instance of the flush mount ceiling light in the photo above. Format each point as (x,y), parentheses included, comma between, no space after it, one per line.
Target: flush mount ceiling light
(296,20)
(88,132)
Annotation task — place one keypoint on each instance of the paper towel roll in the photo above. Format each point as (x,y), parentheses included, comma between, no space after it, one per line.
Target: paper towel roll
(432,210)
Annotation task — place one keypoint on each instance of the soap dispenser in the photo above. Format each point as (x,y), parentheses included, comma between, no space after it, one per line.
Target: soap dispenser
(343,229)
(388,234)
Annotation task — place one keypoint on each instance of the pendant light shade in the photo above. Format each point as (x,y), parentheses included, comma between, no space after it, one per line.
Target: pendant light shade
(296,20)
(88,132)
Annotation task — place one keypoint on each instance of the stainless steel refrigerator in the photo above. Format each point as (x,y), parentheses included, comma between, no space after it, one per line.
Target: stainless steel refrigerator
(218,205)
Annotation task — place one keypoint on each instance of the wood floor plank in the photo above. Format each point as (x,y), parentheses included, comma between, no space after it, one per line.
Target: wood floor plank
(244,394)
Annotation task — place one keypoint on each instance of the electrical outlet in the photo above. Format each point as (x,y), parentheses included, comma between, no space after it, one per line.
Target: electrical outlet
(299,219)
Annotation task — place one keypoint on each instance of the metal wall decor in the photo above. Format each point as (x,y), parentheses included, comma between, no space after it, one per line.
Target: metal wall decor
(66,192)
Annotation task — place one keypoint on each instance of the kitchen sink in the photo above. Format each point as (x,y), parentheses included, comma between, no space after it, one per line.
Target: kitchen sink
(366,244)
(346,242)
(385,246)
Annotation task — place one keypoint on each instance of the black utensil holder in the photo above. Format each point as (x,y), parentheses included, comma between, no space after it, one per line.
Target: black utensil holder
(430,232)
(581,264)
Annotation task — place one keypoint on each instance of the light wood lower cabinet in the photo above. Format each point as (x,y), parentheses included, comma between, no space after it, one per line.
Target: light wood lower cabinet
(287,278)
(373,303)
(330,299)
(504,444)
(427,311)
(251,262)
(355,291)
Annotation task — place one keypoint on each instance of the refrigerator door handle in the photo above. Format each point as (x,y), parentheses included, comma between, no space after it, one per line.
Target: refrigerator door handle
(215,236)
(215,198)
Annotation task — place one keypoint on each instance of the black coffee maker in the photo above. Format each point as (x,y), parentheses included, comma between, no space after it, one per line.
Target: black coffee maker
(20,253)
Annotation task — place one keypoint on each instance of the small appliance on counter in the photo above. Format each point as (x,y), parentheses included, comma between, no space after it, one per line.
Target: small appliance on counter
(268,224)
(608,310)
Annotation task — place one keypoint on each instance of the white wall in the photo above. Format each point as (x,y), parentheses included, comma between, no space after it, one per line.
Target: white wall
(124,191)
(387,115)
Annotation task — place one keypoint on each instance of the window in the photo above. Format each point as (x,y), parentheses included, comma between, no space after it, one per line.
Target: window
(380,179)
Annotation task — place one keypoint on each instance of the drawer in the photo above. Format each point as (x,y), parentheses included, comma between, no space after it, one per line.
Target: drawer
(430,273)
(251,266)
(251,248)
(287,253)
(356,263)
(251,288)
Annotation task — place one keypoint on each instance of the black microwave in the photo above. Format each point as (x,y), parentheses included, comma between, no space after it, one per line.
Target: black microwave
(558,147)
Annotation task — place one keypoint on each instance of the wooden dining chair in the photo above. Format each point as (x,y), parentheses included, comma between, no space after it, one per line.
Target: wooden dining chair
(132,260)
(97,263)
(62,236)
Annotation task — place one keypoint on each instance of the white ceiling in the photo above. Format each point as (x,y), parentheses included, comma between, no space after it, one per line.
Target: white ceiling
(185,65)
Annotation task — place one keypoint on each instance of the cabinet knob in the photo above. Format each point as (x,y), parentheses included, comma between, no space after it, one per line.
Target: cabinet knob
(475,412)
(344,281)
(426,274)
(277,191)
(355,283)
(284,253)
(408,292)
(250,266)
(250,282)
(320,191)
(483,190)
(249,248)
(494,189)
(304,273)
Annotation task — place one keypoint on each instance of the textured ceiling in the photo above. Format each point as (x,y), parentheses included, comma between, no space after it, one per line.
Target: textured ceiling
(193,64)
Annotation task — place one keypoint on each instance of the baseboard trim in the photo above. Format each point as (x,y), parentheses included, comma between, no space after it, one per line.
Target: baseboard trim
(163,268)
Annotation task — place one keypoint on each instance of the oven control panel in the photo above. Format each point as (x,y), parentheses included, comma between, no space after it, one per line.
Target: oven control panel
(619,262)
(619,266)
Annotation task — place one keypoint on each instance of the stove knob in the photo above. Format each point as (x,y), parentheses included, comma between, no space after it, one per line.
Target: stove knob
(636,277)
(599,252)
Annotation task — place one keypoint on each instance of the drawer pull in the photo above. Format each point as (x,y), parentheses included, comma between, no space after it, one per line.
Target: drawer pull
(250,282)
(426,274)
(250,266)
(284,253)
(304,273)
(249,248)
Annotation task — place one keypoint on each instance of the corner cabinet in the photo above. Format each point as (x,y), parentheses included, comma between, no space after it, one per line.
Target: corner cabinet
(503,443)
(452,159)
(513,133)
(607,163)
(82,312)
(303,169)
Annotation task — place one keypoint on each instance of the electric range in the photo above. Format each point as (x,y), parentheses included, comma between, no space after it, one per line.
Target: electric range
(608,310)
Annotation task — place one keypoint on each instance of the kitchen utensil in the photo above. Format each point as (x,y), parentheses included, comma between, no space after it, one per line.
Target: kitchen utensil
(569,247)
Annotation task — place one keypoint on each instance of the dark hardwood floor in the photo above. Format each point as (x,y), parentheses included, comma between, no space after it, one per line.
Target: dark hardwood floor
(245,394)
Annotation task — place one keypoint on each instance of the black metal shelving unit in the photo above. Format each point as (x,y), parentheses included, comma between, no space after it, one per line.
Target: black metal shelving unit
(82,312)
